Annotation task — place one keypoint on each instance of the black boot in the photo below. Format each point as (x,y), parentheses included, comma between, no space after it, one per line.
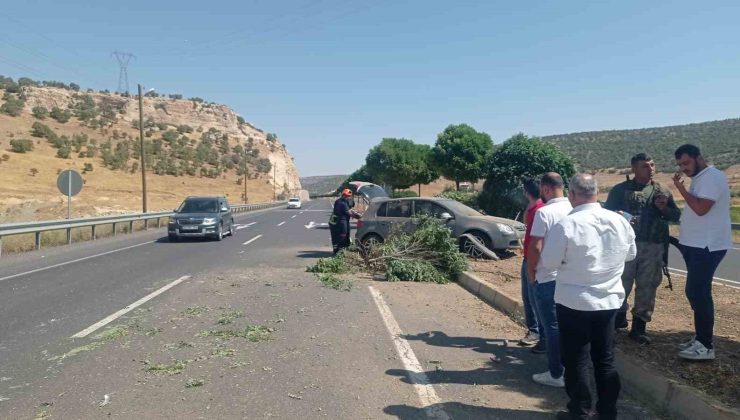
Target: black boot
(621,321)
(637,332)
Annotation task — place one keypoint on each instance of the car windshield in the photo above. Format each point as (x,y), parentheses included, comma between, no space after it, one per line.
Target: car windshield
(460,208)
(198,206)
(294,200)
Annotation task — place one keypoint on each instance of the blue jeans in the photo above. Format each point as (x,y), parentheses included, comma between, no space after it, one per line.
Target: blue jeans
(548,322)
(700,267)
(530,311)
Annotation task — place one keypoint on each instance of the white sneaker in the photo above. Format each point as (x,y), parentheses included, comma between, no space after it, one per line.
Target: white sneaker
(697,351)
(530,339)
(687,344)
(545,378)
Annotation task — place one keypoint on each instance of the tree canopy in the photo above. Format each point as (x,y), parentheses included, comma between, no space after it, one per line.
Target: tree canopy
(398,163)
(461,152)
(518,158)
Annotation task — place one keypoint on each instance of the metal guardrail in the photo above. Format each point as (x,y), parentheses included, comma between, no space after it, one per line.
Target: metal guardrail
(736,226)
(38,228)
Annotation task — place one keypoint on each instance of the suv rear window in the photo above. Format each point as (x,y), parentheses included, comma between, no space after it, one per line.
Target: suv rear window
(199,206)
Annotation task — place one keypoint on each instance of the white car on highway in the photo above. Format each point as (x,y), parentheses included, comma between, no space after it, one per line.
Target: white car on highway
(294,203)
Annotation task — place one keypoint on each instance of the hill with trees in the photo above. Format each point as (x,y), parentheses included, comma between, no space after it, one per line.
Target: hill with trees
(594,150)
(191,147)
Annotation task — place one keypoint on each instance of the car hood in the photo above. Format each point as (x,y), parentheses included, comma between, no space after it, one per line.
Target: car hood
(194,215)
(494,219)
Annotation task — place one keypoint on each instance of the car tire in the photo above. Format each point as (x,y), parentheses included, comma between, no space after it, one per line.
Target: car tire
(220,233)
(172,238)
(231,229)
(369,241)
(468,247)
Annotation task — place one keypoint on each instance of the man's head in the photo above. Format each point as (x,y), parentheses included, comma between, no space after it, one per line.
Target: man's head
(551,186)
(346,193)
(531,188)
(689,160)
(643,167)
(582,189)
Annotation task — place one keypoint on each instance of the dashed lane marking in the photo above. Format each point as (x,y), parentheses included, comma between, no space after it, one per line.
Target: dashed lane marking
(281,223)
(252,240)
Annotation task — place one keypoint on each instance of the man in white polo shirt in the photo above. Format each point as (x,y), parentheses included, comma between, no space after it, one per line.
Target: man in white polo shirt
(588,249)
(556,207)
(705,238)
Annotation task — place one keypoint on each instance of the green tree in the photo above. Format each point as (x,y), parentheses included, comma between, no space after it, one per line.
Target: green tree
(61,115)
(398,163)
(518,158)
(21,145)
(64,152)
(461,152)
(40,112)
(13,106)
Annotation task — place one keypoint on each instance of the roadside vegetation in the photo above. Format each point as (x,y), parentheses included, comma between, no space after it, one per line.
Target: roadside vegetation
(429,254)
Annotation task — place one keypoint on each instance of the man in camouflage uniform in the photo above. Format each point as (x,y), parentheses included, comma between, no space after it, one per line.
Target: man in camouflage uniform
(650,207)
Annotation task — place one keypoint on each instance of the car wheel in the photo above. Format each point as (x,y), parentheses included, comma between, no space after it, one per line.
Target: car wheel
(469,248)
(231,228)
(220,233)
(370,241)
(172,238)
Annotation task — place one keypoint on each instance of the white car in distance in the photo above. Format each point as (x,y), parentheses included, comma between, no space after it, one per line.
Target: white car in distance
(294,203)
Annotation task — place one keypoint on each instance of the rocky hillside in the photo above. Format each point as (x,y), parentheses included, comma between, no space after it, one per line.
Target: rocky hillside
(192,147)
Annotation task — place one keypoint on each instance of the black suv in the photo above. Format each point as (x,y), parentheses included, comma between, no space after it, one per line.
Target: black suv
(201,217)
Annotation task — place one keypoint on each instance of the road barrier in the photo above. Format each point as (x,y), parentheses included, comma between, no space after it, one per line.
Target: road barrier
(38,228)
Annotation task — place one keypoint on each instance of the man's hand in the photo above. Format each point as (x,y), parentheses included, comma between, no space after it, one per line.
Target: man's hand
(531,274)
(678,181)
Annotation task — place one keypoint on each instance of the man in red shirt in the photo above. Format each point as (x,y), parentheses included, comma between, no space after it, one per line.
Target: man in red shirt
(532,193)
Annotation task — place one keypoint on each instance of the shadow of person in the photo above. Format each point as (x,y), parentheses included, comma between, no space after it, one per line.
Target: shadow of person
(459,411)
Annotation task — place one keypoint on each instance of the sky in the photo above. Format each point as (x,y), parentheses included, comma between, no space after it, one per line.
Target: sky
(334,77)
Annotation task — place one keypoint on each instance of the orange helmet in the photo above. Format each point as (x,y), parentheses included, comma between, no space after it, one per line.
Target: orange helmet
(346,193)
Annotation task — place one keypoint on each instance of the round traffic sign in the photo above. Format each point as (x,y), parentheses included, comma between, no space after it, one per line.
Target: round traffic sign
(69,182)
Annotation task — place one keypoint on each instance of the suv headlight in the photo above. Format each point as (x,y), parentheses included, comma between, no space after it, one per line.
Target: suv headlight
(209,221)
(505,228)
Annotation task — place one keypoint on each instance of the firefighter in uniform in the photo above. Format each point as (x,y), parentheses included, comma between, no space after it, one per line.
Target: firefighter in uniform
(649,206)
(339,221)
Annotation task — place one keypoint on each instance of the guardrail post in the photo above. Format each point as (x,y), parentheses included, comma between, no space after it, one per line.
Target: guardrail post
(69,236)
(159,219)
(38,241)
(146,224)
(93,232)
(1,245)
(131,227)
(114,229)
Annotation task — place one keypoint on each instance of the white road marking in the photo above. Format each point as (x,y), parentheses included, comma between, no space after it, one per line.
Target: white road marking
(293,216)
(252,240)
(715,278)
(73,261)
(105,321)
(239,227)
(281,223)
(424,388)
(312,224)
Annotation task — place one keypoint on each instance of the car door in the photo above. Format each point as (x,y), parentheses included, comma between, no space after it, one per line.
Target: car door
(435,210)
(398,216)
(225,215)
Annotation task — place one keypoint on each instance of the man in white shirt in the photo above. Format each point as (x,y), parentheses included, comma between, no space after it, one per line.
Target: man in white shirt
(705,238)
(588,249)
(556,207)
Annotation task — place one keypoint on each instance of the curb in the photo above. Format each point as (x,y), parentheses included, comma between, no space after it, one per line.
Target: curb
(680,401)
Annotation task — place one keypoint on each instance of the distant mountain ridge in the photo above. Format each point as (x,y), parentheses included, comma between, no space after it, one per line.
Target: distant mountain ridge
(322,184)
(718,140)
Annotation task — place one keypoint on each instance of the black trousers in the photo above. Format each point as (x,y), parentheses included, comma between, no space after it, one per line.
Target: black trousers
(339,235)
(588,337)
(700,267)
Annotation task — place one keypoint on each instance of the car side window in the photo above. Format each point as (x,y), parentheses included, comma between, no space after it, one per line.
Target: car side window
(428,207)
(399,208)
(382,210)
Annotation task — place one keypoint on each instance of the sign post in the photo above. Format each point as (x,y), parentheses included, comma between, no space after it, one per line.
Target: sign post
(69,183)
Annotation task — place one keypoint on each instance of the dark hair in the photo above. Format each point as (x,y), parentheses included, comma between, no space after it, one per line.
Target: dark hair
(552,180)
(640,157)
(532,187)
(687,149)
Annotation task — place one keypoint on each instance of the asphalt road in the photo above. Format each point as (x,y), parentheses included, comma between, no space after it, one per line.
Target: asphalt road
(334,354)
(728,272)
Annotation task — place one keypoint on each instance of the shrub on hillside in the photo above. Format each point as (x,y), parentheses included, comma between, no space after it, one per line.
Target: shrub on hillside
(40,112)
(21,145)
(13,106)
(42,130)
(64,152)
(61,115)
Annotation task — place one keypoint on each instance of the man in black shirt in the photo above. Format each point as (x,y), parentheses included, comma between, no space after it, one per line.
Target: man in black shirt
(339,222)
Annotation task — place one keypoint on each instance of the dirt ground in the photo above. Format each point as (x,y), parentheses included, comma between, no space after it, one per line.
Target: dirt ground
(672,324)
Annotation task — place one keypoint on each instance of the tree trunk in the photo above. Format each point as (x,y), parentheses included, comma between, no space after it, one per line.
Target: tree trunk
(457,185)
(419,189)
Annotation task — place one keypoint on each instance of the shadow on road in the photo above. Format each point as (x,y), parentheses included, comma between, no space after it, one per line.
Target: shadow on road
(458,410)
(314,254)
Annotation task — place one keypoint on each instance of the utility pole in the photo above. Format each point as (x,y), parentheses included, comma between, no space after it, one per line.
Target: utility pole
(141,152)
(246,177)
(123,59)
